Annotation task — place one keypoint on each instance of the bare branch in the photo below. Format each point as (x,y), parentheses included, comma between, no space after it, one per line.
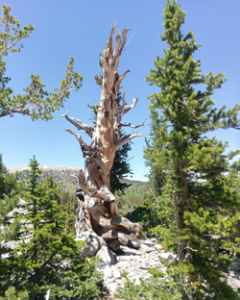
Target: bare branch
(132,126)
(129,107)
(83,145)
(47,295)
(108,50)
(190,249)
(126,108)
(124,34)
(110,40)
(88,129)
(120,79)
(65,113)
(126,139)
(117,47)
(186,257)
(127,43)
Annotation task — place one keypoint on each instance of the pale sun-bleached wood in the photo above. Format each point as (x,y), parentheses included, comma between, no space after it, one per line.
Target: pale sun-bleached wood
(99,203)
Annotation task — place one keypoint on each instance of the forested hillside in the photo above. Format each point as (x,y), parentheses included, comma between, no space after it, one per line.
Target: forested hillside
(62,176)
(132,197)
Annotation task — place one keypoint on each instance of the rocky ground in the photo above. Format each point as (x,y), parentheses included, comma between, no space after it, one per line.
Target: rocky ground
(134,262)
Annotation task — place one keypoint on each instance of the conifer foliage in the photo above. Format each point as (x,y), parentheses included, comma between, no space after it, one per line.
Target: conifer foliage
(9,193)
(11,294)
(47,257)
(192,164)
(36,102)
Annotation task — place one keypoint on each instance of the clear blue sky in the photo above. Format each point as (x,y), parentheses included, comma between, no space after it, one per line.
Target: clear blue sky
(80,29)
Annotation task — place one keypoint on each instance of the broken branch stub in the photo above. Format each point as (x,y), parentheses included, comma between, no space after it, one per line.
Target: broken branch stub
(97,205)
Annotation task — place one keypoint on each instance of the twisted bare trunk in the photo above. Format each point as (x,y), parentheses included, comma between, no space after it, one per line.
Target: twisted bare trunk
(98,211)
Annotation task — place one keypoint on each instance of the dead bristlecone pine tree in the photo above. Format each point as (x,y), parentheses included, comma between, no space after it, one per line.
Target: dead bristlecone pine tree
(97,217)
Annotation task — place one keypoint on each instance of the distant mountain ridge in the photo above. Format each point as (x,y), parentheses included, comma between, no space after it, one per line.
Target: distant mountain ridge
(42,167)
(62,176)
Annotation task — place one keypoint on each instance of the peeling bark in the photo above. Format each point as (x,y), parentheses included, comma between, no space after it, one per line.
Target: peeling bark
(98,207)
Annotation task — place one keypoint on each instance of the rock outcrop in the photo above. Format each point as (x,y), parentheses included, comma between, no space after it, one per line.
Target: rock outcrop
(134,262)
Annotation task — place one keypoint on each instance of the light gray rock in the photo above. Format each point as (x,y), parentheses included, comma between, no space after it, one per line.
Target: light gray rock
(122,238)
(5,256)
(167,256)
(113,287)
(116,274)
(131,274)
(236,265)
(234,283)
(121,281)
(107,272)
(130,251)
(134,262)
(101,265)
(128,257)
(148,242)
(25,236)
(18,210)
(145,248)
(158,247)
(123,264)
(106,255)
(92,241)
(234,274)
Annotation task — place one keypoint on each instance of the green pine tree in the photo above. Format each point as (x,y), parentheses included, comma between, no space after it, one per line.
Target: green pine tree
(155,287)
(193,165)
(232,223)
(69,205)
(9,196)
(234,171)
(68,202)
(11,294)
(156,213)
(36,102)
(50,259)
